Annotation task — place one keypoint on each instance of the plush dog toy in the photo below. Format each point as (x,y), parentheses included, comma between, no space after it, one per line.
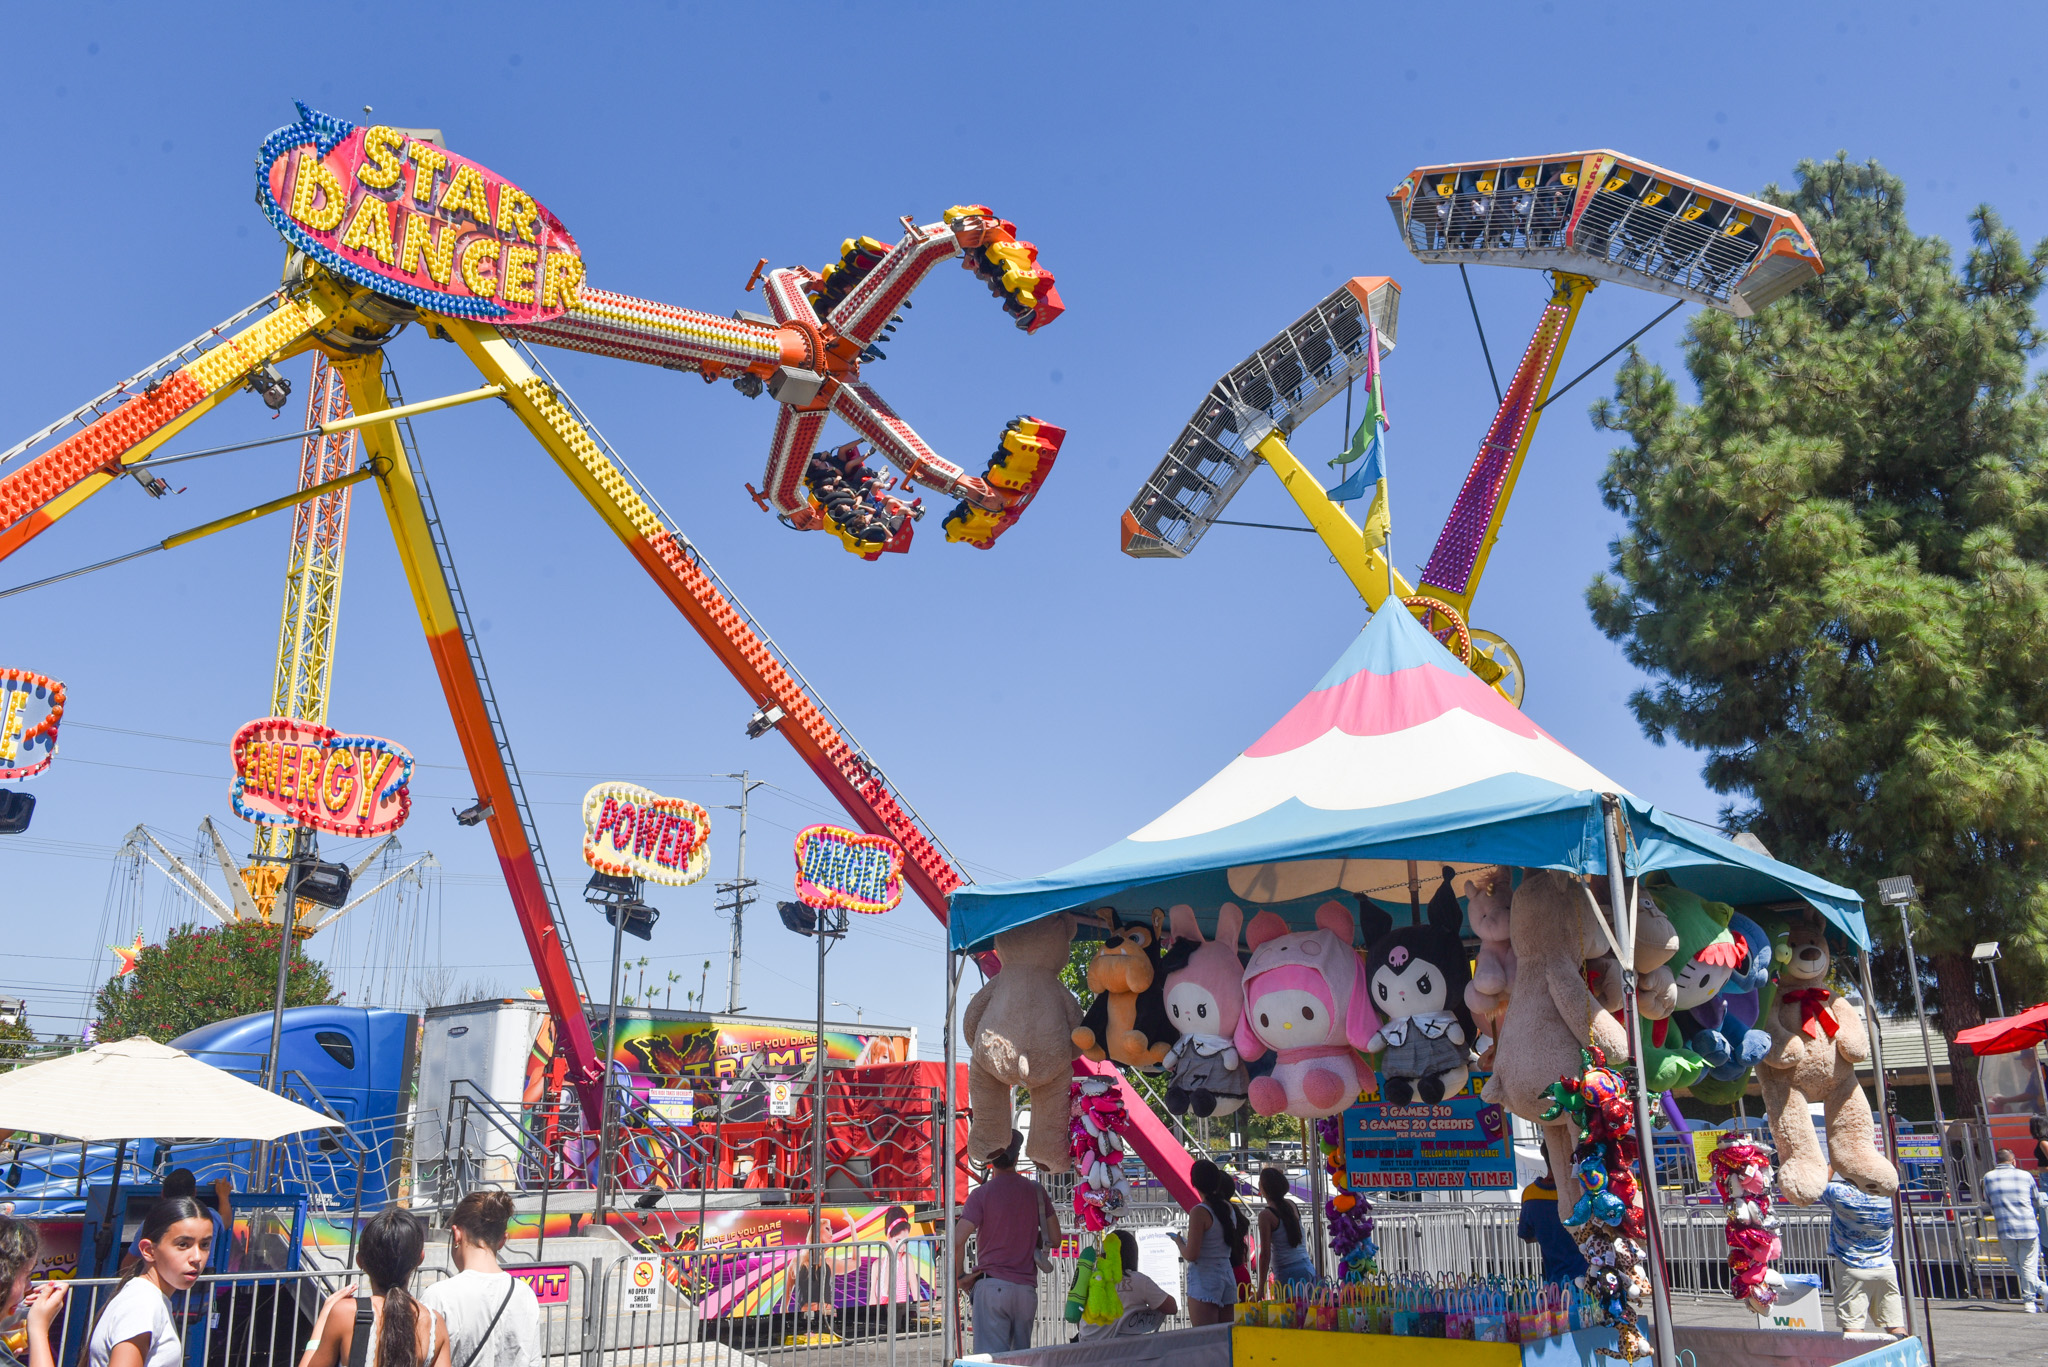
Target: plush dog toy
(1305,998)
(1817,1038)
(1205,1001)
(1417,977)
(1020,1029)
(1489,895)
(1552,1014)
(1127,1022)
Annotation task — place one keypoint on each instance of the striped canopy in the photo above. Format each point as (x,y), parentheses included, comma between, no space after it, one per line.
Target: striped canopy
(1398,763)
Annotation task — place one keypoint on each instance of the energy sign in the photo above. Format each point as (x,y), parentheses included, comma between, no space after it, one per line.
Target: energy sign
(290,771)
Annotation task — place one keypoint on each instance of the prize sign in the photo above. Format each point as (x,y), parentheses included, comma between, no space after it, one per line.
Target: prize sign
(633,832)
(31,705)
(838,869)
(416,222)
(1460,1142)
(294,771)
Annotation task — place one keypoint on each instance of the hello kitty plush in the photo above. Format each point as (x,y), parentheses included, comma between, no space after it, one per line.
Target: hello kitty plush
(1305,999)
(1205,1001)
(1417,978)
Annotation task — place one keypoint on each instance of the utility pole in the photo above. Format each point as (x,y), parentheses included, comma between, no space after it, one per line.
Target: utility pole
(740,890)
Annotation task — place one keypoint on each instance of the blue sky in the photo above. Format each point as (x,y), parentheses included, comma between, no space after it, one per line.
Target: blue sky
(1196,175)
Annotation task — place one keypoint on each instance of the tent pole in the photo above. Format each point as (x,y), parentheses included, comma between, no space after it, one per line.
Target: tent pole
(1901,1208)
(949,1291)
(1666,1352)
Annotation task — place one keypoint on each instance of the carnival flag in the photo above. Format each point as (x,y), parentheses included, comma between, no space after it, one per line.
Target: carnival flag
(1370,442)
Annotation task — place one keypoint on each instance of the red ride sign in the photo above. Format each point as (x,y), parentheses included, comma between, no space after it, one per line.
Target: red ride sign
(290,771)
(416,222)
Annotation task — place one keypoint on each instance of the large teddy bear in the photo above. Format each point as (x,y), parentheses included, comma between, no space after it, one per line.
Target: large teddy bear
(1817,1038)
(1020,1031)
(1552,1014)
(1489,895)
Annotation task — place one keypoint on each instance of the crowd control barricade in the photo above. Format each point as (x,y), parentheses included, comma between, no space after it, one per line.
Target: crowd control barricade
(805,1305)
(224,1320)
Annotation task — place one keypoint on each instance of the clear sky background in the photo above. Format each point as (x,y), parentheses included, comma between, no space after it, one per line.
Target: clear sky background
(1196,175)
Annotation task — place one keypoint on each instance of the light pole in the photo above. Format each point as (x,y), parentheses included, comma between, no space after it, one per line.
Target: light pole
(1987,955)
(858,1011)
(619,899)
(823,925)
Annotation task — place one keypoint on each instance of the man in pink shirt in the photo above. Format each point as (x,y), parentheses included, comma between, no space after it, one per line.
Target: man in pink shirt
(1010,1218)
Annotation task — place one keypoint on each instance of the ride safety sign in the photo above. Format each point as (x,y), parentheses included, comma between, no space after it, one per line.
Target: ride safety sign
(641,1293)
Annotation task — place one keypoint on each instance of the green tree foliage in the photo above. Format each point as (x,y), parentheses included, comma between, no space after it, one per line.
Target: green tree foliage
(201,975)
(16,1039)
(1833,568)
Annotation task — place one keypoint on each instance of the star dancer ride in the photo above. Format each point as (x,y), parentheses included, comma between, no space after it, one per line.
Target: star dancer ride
(389,230)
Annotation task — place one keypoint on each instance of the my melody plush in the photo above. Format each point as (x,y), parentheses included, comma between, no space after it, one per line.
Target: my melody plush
(1305,998)
(1020,1033)
(1817,1038)
(1205,1001)
(1417,978)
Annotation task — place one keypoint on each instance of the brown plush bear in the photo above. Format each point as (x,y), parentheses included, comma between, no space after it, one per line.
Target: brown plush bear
(1127,1022)
(1551,1015)
(1020,1031)
(1817,1038)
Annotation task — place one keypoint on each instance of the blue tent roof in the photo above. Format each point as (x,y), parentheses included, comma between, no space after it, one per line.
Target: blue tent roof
(1398,754)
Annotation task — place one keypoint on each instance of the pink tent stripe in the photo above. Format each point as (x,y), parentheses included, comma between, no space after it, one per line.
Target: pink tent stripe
(1368,704)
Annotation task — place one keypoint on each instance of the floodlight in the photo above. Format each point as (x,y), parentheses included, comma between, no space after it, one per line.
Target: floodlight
(764,721)
(798,917)
(324,885)
(1985,953)
(1895,892)
(15,811)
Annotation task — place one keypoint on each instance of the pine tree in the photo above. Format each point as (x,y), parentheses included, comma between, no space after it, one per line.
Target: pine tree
(1833,568)
(199,976)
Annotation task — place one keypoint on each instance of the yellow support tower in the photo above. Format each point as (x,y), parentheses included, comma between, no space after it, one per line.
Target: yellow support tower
(312,595)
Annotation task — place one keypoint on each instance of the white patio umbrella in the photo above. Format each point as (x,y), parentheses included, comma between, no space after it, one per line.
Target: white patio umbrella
(139,1089)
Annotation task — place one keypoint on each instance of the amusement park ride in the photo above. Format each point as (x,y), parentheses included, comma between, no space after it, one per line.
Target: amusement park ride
(1584,217)
(388,228)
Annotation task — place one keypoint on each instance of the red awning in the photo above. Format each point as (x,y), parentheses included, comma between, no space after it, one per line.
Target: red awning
(2008,1034)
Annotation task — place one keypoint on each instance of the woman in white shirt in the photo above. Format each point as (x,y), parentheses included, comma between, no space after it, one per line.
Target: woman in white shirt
(403,1333)
(493,1318)
(137,1328)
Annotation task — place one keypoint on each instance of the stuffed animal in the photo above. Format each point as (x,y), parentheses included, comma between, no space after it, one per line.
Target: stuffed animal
(1417,977)
(1722,1029)
(1305,998)
(1707,955)
(1488,895)
(1020,1029)
(1127,1021)
(1817,1038)
(1204,1002)
(1552,1014)
(1595,1201)
(1097,1149)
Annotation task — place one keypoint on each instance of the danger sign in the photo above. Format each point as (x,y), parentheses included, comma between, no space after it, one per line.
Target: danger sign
(780,1101)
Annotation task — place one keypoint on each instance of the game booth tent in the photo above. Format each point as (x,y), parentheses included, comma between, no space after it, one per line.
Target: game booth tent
(1399,753)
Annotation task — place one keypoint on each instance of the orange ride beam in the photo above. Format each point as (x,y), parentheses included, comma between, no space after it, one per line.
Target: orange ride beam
(674,568)
(56,482)
(430,595)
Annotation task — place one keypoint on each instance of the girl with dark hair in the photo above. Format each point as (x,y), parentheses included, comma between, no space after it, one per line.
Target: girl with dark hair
(403,1333)
(1213,1245)
(493,1317)
(137,1329)
(20,1245)
(1283,1253)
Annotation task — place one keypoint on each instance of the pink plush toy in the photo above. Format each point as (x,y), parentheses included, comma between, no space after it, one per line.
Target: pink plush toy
(1205,1001)
(1305,998)
(1100,1183)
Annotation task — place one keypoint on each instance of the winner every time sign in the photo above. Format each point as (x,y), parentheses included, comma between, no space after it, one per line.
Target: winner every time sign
(1460,1143)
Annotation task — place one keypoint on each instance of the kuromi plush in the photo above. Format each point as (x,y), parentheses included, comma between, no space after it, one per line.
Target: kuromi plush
(1417,978)
(1305,999)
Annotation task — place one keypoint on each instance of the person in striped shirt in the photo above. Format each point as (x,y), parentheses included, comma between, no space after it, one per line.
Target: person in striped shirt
(2011,1198)
(1860,1242)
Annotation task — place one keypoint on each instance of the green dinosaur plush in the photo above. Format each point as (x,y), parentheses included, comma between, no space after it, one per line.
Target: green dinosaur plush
(1707,954)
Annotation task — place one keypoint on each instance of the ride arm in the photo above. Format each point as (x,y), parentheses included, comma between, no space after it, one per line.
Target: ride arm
(54,483)
(1364,565)
(1462,547)
(467,708)
(681,574)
